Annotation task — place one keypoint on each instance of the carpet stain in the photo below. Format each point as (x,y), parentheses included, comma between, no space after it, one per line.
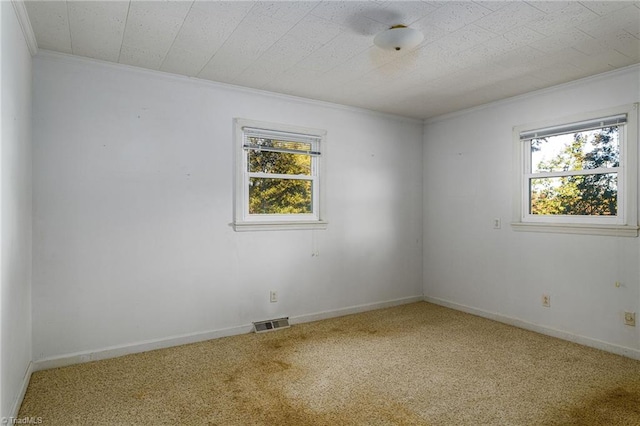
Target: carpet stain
(416,364)
(274,366)
(268,377)
(140,395)
(619,405)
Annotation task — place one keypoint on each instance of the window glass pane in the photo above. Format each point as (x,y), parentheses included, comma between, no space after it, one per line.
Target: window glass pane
(280,196)
(279,162)
(585,150)
(587,195)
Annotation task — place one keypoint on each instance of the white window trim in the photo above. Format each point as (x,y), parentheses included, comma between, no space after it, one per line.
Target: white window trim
(245,222)
(625,224)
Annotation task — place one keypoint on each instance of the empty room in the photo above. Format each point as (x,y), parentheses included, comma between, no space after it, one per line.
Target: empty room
(319,212)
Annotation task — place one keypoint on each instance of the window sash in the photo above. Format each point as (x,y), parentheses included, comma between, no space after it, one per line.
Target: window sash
(249,132)
(280,176)
(527,216)
(296,216)
(598,171)
(531,178)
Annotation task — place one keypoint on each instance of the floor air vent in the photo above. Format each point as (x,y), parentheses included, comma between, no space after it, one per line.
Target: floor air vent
(270,325)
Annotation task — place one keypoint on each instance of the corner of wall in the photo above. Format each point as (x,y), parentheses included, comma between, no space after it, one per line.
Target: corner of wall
(15,407)
(18,46)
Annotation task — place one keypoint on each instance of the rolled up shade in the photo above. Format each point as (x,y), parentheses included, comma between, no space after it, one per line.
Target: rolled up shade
(580,126)
(252,133)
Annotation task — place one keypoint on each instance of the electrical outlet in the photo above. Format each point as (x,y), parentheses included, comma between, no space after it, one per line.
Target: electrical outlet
(273,296)
(630,318)
(546,300)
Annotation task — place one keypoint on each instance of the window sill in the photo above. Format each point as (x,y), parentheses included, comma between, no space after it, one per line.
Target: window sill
(584,229)
(277,226)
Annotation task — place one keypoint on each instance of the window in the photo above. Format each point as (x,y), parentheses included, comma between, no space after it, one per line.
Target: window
(579,175)
(278,176)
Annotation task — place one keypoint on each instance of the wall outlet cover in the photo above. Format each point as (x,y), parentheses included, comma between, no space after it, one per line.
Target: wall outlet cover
(546,300)
(630,318)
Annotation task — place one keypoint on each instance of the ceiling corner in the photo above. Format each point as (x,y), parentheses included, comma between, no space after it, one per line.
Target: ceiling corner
(25,24)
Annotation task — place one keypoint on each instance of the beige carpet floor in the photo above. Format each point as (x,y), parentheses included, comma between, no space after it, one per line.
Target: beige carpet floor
(417,364)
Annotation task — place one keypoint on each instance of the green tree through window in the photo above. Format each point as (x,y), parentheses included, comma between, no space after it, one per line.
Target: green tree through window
(283,193)
(583,193)
(278,176)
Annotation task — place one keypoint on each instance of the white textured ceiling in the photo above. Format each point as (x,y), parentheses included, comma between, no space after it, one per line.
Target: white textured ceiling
(474,52)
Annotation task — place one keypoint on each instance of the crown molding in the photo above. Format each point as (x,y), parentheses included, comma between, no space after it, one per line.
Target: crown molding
(635,68)
(25,24)
(50,55)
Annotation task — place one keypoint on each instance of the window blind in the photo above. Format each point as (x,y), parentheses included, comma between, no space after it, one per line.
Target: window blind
(580,126)
(250,132)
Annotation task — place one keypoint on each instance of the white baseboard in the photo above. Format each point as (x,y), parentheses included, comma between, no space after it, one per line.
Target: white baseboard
(575,338)
(149,345)
(353,310)
(22,391)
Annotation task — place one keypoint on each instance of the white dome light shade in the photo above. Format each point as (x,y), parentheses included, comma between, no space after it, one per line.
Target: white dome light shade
(398,37)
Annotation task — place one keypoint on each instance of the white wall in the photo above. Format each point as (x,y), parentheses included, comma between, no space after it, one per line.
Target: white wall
(133,200)
(468,175)
(15,229)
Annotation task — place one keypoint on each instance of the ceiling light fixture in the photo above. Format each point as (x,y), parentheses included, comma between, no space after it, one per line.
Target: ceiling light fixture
(398,37)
